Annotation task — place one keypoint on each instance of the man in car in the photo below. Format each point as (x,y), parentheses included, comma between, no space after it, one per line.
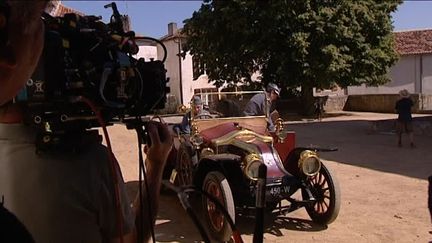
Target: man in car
(60,196)
(198,112)
(260,104)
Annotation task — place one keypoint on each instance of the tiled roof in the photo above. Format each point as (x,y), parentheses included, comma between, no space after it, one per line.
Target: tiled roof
(57,9)
(414,42)
(62,10)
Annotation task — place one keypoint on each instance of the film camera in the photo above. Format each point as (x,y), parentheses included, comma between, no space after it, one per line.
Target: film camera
(85,59)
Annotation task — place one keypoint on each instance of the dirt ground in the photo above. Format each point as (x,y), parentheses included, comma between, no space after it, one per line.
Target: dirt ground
(383,187)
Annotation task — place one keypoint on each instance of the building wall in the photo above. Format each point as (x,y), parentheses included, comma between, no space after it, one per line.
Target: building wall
(427,74)
(411,72)
(189,84)
(172,67)
(184,91)
(147,52)
(187,79)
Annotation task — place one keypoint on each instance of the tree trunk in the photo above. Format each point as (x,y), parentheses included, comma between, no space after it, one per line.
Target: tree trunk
(307,101)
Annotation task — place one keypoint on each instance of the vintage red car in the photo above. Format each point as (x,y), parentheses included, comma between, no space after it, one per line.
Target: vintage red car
(222,153)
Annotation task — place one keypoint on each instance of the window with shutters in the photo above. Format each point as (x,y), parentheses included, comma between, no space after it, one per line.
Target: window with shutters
(198,67)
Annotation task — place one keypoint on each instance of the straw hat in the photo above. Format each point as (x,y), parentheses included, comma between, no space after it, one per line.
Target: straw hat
(404,93)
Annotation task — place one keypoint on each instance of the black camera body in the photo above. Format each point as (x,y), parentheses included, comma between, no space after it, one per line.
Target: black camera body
(85,60)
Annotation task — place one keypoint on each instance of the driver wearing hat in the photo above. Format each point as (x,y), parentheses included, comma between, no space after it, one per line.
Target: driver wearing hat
(260,104)
(196,110)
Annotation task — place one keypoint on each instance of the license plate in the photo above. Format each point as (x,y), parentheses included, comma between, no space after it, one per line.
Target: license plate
(276,191)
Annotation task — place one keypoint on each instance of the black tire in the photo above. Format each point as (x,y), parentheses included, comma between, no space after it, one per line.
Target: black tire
(270,207)
(184,166)
(217,185)
(325,188)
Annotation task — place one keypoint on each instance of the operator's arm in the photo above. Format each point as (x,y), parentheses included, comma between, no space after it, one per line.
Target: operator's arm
(157,155)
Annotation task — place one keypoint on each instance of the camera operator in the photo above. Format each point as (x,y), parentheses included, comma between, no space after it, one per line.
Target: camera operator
(65,195)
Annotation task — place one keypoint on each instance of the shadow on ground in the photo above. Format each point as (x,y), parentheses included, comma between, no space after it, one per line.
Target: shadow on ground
(358,146)
(275,224)
(175,225)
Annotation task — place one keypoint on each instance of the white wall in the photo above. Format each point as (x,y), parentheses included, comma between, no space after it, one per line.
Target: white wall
(189,84)
(147,52)
(411,72)
(172,66)
(427,74)
(403,75)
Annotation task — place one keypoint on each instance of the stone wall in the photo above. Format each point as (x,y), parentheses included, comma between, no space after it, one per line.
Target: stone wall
(335,103)
(425,102)
(386,103)
(376,103)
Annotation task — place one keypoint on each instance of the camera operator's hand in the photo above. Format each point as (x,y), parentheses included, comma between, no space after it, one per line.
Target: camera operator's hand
(161,144)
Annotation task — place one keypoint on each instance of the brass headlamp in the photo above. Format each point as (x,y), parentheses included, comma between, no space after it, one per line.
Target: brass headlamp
(252,161)
(309,163)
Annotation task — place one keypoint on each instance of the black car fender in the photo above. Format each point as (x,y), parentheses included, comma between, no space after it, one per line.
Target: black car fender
(291,162)
(227,164)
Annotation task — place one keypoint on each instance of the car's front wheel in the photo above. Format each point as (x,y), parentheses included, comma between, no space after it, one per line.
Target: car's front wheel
(217,185)
(325,189)
(184,166)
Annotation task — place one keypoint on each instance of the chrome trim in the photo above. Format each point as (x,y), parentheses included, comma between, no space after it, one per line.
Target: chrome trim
(206,152)
(274,184)
(229,118)
(231,137)
(194,128)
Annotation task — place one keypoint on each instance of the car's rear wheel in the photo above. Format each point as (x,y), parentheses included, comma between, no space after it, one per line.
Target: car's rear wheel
(325,189)
(217,185)
(184,166)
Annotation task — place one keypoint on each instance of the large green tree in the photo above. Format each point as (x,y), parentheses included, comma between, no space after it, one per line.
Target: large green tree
(296,43)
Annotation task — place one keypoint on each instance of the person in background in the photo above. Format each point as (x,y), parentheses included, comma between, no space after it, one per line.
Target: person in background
(260,104)
(319,107)
(404,121)
(60,196)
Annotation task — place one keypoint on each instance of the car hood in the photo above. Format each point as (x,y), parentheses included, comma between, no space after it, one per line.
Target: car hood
(248,141)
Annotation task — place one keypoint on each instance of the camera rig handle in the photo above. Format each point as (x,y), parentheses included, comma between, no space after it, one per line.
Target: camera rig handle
(116,19)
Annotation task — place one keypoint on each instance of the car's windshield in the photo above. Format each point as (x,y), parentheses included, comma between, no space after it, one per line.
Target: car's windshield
(232,104)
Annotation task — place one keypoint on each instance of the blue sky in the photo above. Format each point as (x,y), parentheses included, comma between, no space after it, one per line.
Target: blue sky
(150,18)
(413,15)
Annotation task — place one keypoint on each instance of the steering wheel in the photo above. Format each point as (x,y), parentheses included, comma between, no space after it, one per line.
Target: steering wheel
(203,116)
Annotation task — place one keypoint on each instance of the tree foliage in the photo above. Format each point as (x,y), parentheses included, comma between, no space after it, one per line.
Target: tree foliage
(308,43)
